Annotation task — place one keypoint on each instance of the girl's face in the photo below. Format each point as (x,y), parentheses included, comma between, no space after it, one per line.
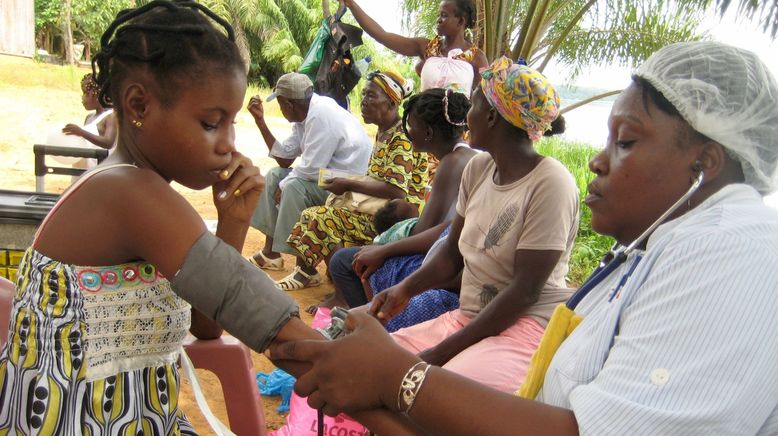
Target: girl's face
(418,133)
(641,171)
(192,139)
(89,100)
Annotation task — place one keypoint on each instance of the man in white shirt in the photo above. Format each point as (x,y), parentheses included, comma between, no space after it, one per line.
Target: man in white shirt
(324,135)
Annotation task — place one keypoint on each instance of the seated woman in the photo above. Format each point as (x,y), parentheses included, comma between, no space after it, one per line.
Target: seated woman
(435,122)
(677,332)
(394,171)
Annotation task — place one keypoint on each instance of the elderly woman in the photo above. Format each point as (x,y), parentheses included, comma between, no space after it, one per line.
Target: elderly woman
(678,335)
(394,171)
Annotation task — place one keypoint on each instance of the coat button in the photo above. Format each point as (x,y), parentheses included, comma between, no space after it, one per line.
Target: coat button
(659,376)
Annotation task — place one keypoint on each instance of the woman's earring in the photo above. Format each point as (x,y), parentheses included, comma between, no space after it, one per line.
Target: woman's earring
(137,123)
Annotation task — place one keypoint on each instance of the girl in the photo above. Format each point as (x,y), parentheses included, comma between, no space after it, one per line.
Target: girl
(99,127)
(435,122)
(99,313)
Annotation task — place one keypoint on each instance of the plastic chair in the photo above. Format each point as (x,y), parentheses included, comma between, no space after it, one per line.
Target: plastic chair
(231,361)
(7,291)
(41,169)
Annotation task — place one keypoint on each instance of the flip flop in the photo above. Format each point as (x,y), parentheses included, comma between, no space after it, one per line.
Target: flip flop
(268,263)
(290,283)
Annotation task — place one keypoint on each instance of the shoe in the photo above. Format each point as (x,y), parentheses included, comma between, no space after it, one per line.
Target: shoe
(268,263)
(290,283)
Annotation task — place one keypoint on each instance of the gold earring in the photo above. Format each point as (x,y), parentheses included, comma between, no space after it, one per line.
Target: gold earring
(137,123)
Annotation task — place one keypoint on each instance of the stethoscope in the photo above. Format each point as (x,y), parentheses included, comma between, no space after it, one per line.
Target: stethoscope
(618,253)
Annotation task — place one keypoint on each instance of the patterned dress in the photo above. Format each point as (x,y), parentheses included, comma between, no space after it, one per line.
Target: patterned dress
(92,350)
(321,228)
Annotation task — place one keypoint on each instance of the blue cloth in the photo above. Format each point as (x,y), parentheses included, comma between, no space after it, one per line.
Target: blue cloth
(428,305)
(277,382)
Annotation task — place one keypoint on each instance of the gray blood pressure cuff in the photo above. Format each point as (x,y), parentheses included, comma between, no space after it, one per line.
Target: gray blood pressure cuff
(216,280)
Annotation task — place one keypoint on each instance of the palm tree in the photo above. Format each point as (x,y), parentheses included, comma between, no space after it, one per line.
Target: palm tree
(272,35)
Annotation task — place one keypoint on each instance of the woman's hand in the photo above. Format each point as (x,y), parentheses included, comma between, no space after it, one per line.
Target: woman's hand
(72,129)
(390,302)
(338,380)
(347,3)
(236,195)
(338,185)
(368,259)
(256,109)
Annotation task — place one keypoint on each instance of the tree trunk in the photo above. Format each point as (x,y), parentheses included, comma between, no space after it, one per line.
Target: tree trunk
(241,41)
(67,32)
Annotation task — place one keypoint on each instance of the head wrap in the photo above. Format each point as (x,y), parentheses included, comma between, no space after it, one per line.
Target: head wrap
(394,85)
(523,96)
(90,85)
(727,94)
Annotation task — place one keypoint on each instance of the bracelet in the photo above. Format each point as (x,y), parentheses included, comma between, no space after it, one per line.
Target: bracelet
(411,385)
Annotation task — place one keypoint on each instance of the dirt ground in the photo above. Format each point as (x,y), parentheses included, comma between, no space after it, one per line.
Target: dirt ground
(30,113)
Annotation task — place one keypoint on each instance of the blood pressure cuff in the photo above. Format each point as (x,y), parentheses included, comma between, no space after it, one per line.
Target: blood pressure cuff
(216,280)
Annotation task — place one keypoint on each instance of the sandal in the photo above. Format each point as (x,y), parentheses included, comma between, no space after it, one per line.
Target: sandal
(268,263)
(290,283)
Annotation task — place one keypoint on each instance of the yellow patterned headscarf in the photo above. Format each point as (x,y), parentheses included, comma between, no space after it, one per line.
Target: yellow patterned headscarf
(396,87)
(523,96)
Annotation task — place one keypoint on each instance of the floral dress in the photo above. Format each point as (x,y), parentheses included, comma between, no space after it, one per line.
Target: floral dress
(321,228)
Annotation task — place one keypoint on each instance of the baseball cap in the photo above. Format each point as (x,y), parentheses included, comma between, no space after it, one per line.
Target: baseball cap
(294,86)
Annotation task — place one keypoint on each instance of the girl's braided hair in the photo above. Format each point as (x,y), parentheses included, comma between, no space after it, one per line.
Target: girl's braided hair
(443,110)
(173,41)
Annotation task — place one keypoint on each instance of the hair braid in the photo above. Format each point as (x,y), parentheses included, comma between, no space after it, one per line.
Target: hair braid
(172,40)
(436,107)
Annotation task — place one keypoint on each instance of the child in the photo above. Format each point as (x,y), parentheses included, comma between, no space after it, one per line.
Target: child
(394,212)
(100,126)
(99,312)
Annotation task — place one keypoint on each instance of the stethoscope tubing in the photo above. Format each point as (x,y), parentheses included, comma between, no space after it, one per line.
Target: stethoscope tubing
(618,253)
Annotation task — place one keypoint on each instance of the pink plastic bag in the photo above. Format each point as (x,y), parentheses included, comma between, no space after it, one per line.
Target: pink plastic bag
(302,420)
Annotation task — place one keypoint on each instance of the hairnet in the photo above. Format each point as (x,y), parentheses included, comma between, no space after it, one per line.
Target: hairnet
(727,94)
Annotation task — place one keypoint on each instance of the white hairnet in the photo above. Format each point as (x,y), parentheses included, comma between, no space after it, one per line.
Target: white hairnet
(727,94)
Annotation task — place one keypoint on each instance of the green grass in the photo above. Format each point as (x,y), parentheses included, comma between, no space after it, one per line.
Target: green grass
(589,245)
(37,74)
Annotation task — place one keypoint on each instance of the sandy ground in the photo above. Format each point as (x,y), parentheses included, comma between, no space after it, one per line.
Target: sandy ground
(30,113)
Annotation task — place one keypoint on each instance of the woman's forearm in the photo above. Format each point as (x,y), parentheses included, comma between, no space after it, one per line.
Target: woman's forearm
(377,188)
(450,404)
(440,269)
(397,43)
(416,244)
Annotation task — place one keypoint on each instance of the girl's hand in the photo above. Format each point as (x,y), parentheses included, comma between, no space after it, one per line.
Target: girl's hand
(72,129)
(338,185)
(338,380)
(237,194)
